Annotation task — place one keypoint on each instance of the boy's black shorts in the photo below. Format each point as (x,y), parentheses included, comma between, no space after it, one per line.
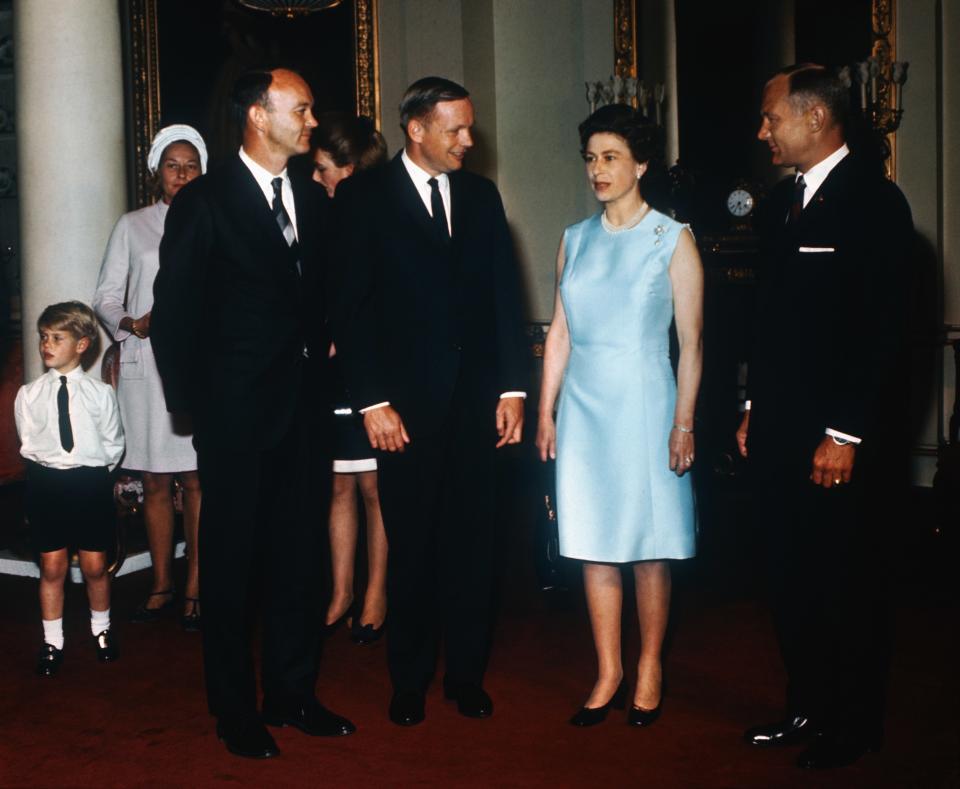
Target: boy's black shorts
(70,508)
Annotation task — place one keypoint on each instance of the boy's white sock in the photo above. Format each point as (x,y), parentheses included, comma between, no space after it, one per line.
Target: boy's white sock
(53,632)
(99,621)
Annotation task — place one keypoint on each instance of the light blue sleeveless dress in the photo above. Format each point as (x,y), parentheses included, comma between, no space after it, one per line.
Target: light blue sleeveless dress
(617,499)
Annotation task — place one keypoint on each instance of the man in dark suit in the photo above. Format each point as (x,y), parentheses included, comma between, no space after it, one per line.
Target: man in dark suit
(428,327)
(237,328)
(830,331)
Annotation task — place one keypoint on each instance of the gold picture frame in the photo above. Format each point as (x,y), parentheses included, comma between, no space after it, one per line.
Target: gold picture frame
(143,89)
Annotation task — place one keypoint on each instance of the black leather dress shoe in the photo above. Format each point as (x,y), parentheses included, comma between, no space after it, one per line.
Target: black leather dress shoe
(49,660)
(795,730)
(472,700)
(247,738)
(406,708)
(827,751)
(311,717)
(107,650)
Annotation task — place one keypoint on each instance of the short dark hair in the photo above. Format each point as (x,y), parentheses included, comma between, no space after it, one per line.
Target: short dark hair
(645,141)
(349,139)
(252,87)
(642,136)
(425,94)
(808,83)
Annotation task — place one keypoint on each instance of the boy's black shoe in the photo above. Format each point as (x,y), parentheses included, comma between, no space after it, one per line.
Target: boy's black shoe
(107,647)
(48,663)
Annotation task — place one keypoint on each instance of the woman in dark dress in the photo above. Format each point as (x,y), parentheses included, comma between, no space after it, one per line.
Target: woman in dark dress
(342,145)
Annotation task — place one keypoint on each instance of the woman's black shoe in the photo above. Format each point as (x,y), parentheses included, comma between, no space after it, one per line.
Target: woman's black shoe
(144,614)
(591,716)
(365,634)
(191,622)
(329,629)
(641,717)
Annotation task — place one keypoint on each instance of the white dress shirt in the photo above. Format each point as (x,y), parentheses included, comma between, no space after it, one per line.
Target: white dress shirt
(264,180)
(813,179)
(419,176)
(94,420)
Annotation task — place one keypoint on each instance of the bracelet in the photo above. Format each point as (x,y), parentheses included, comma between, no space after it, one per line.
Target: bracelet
(683,429)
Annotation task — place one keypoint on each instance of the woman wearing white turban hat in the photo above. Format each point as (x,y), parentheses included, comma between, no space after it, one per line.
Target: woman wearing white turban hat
(157,445)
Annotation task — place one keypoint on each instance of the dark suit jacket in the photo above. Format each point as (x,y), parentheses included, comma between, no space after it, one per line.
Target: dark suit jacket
(416,316)
(831,323)
(231,314)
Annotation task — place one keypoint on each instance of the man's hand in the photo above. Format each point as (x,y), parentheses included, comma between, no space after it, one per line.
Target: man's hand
(509,420)
(385,429)
(832,463)
(742,434)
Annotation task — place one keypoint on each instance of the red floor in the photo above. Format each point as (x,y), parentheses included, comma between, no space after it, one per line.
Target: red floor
(142,721)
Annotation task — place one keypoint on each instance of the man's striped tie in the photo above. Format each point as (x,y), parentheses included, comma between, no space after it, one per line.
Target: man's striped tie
(283,218)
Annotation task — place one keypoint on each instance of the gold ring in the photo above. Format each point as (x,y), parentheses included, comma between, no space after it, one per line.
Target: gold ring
(836,482)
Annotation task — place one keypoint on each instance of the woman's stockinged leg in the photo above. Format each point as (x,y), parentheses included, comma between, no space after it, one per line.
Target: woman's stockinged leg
(375,599)
(604,589)
(652,581)
(343,544)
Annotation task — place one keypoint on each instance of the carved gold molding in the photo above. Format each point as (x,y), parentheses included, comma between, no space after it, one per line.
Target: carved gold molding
(624,39)
(143,81)
(884,26)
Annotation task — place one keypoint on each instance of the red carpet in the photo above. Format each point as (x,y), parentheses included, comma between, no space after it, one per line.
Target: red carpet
(142,722)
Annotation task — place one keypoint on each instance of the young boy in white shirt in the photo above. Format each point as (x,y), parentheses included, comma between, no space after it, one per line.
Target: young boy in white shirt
(71,438)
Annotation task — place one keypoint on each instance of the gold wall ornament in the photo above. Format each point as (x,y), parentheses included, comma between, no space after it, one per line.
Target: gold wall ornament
(624,39)
(143,90)
(367,50)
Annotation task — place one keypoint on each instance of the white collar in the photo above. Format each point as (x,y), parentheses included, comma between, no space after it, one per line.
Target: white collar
(419,176)
(262,175)
(75,373)
(816,175)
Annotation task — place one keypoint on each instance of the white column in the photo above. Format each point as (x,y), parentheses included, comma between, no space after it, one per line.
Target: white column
(70,150)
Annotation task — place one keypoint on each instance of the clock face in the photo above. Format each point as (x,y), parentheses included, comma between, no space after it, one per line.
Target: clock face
(740,203)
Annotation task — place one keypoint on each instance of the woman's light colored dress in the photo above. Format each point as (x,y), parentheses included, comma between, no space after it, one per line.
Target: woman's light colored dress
(617,499)
(125,288)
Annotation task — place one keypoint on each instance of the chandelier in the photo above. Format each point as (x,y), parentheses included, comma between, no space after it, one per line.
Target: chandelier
(289,9)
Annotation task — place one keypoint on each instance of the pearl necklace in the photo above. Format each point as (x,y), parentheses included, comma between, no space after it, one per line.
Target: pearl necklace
(631,223)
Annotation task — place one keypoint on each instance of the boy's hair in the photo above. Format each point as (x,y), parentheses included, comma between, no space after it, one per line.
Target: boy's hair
(72,316)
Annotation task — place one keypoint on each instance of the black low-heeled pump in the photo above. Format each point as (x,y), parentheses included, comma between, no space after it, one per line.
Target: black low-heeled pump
(329,629)
(591,716)
(638,716)
(365,634)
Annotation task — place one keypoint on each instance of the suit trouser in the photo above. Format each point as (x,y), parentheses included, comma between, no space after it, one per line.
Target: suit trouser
(437,501)
(831,611)
(259,544)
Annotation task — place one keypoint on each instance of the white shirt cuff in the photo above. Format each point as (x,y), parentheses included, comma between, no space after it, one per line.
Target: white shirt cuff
(514,394)
(375,406)
(747,404)
(843,436)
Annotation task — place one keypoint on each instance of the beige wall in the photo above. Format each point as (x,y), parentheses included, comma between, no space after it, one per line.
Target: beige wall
(525,62)
(928,171)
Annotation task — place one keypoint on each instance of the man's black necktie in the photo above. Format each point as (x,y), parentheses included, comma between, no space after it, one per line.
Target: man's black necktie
(283,218)
(63,415)
(438,211)
(799,187)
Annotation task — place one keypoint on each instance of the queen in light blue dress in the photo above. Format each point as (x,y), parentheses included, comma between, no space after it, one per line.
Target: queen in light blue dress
(617,498)
(623,435)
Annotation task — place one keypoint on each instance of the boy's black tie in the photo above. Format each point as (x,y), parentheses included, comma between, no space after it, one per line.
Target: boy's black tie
(63,415)
(439,214)
(796,208)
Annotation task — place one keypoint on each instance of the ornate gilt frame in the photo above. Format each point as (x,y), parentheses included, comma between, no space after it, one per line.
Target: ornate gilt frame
(143,82)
